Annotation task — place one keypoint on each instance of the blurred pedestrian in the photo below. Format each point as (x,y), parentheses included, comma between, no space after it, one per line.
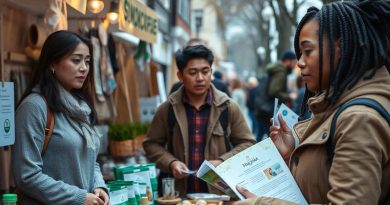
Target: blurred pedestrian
(344,55)
(278,73)
(252,84)
(239,95)
(298,101)
(66,171)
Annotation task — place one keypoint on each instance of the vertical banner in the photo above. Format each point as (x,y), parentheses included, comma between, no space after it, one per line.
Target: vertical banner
(138,20)
(7,114)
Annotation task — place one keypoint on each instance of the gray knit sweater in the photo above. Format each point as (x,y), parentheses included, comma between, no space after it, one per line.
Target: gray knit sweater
(68,169)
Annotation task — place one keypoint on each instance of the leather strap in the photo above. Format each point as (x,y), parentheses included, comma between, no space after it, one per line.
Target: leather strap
(49,127)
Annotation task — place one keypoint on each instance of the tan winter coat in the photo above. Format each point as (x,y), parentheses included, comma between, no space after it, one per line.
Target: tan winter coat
(156,139)
(360,172)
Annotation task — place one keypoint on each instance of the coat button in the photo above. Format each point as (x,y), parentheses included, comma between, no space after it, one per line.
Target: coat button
(324,135)
(296,160)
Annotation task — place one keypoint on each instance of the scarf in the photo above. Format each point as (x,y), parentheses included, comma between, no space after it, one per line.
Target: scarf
(77,113)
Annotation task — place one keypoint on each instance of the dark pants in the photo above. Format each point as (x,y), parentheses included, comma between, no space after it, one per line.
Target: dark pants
(264,124)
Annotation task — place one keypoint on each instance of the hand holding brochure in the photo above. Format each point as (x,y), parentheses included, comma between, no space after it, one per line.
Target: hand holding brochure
(288,115)
(259,168)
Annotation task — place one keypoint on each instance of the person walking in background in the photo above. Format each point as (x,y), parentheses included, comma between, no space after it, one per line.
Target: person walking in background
(197,132)
(239,96)
(65,172)
(250,103)
(273,84)
(219,83)
(278,73)
(352,164)
(297,102)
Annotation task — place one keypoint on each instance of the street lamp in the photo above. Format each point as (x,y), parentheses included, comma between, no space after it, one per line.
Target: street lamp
(267,12)
(113,13)
(95,6)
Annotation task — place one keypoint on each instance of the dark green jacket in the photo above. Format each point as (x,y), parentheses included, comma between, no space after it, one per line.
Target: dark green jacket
(278,81)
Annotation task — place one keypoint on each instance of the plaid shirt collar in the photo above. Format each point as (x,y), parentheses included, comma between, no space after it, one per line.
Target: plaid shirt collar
(209,98)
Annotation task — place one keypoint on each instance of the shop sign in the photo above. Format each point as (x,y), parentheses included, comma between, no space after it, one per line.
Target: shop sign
(138,19)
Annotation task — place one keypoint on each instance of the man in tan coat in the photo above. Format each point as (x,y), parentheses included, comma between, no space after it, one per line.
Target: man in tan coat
(197,133)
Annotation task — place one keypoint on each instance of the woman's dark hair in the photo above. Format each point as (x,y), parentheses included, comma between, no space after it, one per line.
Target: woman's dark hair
(57,46)
(363,31)
(192,52)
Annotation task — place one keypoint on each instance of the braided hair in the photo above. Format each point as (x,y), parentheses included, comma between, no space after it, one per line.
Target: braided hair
(363,31)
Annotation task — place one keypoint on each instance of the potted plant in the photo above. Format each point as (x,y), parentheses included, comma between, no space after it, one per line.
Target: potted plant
(139,131)
(121,139)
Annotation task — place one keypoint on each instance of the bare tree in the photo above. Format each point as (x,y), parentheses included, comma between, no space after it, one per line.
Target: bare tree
(286,22)
(249,14)
(328,1)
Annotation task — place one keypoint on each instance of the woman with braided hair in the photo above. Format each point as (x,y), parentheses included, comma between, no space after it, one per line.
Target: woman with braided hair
(343,53)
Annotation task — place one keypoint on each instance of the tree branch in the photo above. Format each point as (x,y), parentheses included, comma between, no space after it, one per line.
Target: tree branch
(282,7)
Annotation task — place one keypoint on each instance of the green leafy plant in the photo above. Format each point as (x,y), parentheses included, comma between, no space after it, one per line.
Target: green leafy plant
(127,131)
(120,132)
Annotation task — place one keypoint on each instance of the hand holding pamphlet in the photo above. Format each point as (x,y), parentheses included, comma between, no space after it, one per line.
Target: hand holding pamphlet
(289,116)
(188,171)
(259,168)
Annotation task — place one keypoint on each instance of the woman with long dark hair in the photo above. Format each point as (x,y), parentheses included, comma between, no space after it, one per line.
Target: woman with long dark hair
(65,171)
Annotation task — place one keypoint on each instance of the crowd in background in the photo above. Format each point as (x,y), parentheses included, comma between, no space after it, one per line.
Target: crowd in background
(247,92)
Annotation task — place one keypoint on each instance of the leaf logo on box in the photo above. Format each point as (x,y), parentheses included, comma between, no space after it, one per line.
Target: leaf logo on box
(7,126)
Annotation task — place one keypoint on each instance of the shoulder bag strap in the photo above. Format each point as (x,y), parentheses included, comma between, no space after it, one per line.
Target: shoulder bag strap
(48,128)
(358,101)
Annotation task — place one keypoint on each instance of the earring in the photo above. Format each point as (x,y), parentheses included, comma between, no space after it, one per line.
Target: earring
(53,71)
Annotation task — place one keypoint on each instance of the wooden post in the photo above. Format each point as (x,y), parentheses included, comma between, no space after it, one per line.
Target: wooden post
(2,49)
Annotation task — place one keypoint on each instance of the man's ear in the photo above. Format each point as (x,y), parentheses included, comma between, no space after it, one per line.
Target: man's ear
(180,76)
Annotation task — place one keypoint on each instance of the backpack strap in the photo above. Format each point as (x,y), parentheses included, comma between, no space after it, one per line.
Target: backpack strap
(223,119)
(48,128)
(358,101)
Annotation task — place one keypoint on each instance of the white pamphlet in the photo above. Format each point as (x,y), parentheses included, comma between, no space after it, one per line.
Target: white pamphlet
(275,121)
(260,169)
(289,116)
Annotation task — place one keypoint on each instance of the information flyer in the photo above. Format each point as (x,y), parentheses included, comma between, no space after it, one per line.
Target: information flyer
(7,113)
(260,169)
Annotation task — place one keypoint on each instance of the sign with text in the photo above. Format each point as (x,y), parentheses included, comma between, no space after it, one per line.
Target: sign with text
(138,19)
(7,114)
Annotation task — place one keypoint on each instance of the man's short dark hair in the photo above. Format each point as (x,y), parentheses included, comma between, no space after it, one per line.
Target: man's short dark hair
(288,55)
(191,52)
